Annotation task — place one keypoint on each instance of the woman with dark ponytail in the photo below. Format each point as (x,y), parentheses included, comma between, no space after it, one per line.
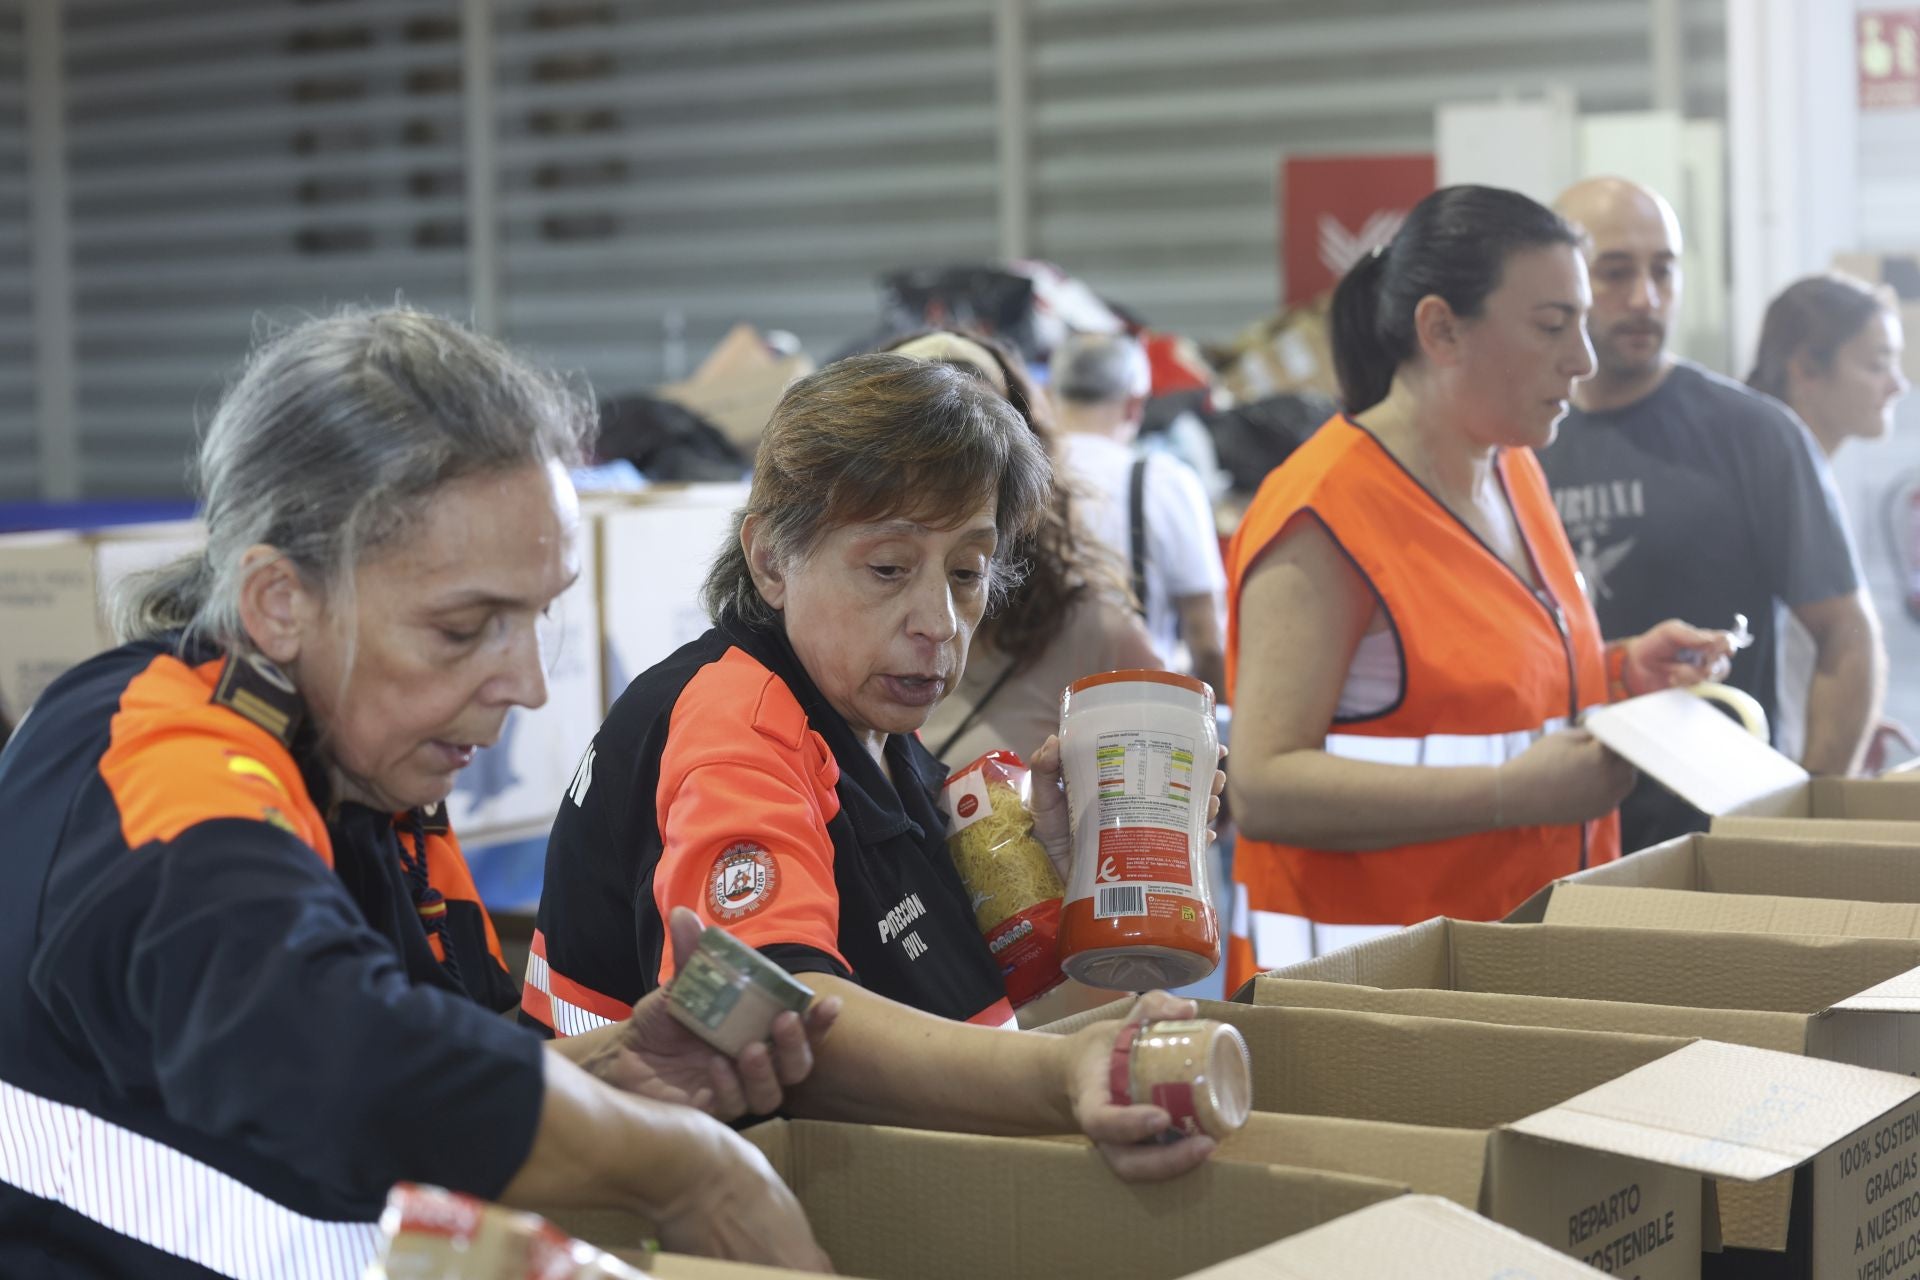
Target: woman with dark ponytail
(1409,643)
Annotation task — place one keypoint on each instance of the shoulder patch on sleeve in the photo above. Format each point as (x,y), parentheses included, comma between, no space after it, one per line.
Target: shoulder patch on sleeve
(744,880)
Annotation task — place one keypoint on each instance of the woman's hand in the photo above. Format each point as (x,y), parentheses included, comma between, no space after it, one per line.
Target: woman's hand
(1127,1135)
(739,1209)
(1567,776)
(1051,822)
(652,1055)
(1676,654)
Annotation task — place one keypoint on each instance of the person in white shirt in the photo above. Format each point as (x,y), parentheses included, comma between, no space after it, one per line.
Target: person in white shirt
(1150,509)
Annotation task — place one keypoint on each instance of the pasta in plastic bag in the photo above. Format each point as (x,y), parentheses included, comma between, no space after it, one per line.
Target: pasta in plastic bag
(1011,881)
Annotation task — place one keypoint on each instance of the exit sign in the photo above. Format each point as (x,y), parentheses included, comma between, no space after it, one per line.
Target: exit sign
(1889,41)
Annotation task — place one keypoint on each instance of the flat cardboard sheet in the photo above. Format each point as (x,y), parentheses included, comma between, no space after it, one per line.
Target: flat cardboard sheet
(1419,1235)
(1693,750)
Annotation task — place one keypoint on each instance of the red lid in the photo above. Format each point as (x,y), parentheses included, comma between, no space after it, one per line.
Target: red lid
(1173,678)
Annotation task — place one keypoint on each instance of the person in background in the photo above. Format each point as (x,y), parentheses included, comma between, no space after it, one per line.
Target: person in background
(1686,493)
(248,985)
(769,776)
(1150,509)
(1409,650)
(1830,350)
(1069,615)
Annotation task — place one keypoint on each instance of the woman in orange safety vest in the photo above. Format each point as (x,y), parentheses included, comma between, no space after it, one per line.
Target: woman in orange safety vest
(1409,643)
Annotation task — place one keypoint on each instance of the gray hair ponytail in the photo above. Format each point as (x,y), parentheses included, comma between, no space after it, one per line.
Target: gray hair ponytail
(327,445)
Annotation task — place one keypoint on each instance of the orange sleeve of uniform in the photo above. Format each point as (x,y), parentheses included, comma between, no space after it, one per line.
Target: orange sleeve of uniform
(743,808)
(175,761)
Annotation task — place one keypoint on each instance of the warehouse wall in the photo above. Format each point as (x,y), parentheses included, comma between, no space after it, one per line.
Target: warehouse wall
(662,170)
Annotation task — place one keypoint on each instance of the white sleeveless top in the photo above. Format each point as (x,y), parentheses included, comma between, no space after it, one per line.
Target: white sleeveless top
(1373,678)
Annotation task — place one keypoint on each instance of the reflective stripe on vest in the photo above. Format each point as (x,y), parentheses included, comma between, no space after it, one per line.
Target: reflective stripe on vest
(1441,749)
(145,1190)
(566,1006)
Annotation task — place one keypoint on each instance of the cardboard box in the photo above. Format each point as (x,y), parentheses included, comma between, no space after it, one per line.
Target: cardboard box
(1430,1102)
(1692,912)
(1840,999)
(1539,1189)
(1824,832)
(1373,1243)
(738,384)
(1863,871)
(513,789)
(1828,999)
(53,594)
(1895,798)
(655,551)
(901,1204)
(1386,1239)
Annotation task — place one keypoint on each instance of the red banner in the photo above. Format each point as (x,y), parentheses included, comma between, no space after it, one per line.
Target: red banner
(1335,208)
(1889,45)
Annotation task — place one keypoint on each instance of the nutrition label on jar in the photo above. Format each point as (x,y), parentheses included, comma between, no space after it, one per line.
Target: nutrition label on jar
(1144,779)
(1144,807)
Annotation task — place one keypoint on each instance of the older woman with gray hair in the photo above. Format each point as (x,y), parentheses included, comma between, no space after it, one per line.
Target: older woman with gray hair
(769,777)
(248,985)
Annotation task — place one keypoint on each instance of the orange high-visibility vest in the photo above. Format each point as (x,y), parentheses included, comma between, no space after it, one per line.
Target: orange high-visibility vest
(1488,665)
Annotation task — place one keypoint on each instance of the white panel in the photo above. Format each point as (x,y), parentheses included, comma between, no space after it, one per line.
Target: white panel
(235,164)
(685,165)
(1179,115)
(19,449)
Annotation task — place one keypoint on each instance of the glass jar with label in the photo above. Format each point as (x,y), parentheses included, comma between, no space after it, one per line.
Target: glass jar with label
(1199,1071)
(1139,750)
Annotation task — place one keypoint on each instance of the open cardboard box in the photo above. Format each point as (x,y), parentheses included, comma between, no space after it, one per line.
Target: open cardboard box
(903,1204)
(1608,906)
(1428,1102)
(1786,867)
(1795,995)
(1574,1127)
(1373,1243)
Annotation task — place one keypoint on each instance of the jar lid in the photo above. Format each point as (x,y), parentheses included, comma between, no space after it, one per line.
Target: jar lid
(1229,1078)
(1173,678)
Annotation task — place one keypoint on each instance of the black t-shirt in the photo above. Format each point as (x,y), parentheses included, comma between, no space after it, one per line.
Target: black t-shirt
(1699,501)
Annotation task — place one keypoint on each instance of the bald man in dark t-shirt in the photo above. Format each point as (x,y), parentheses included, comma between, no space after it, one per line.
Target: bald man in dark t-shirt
(1687,495)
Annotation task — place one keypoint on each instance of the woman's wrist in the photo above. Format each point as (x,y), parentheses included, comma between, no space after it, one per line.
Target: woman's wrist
(1620,684)
(684,1150)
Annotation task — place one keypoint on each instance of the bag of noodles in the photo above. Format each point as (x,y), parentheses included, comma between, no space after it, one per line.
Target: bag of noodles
(1014,888)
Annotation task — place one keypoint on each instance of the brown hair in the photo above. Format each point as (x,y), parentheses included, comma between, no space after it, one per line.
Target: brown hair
(1815,316)
(874,437)
(1064,561)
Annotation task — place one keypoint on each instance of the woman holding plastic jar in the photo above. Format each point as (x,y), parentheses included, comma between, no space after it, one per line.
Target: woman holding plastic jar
(768,776)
